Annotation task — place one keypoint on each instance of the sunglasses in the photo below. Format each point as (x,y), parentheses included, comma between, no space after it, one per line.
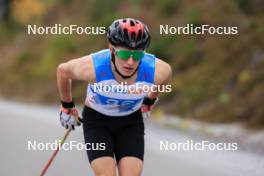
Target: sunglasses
(126,54)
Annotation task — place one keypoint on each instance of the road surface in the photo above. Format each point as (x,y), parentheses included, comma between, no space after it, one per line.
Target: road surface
(21,123)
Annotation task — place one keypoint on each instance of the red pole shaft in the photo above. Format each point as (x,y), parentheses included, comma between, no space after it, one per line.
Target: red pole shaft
(55,153)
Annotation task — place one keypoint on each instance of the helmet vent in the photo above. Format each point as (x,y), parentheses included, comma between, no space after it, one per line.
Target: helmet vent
(132,23)
(133,36)
(116,24)
(119,32)
(126,34)
(144,36)
(139,35)
(124,20)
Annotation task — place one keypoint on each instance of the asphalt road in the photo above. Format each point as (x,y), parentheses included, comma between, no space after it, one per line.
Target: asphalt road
(22,123)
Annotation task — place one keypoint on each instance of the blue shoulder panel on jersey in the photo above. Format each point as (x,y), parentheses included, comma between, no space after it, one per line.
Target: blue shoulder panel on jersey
(146,70)
(102,65)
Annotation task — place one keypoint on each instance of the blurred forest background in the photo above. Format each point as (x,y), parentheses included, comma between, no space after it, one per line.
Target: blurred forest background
(217,78)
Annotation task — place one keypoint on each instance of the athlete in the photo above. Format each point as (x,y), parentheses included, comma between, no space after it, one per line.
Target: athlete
(113,120)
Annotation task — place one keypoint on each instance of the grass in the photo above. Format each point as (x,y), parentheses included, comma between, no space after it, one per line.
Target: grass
(216,78)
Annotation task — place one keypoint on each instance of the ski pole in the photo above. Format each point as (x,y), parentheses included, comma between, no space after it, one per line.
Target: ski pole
(55,152)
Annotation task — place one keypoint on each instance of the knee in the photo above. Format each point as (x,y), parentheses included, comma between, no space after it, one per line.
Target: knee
(130,173)
(104,166)
(130,166)
(109,171)
(106,174)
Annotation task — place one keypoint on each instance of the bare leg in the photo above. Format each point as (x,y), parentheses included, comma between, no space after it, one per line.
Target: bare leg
(104,166)
(130,166)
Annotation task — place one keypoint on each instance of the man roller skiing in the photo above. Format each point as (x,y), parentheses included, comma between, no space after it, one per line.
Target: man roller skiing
(111,117)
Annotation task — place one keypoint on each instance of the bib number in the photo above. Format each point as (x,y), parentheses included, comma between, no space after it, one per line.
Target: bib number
(119,102)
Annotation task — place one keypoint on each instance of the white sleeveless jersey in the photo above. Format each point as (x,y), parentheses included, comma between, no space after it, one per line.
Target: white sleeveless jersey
(110,98)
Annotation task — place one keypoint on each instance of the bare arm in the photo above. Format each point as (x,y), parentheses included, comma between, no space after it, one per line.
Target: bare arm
(163,74)
(77,69)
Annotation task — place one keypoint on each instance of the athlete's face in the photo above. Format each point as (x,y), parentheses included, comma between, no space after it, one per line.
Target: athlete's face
(126,66)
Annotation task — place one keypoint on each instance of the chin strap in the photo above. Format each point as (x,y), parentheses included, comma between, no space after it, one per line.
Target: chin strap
(118,72)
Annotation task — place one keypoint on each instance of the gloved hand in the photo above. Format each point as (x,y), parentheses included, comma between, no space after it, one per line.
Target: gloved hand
(147,106)
(69,116)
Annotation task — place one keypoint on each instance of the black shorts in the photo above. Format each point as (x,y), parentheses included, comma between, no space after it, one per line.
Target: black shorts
(113,136)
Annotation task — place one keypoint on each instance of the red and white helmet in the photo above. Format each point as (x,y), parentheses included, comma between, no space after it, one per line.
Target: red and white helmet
(129,33)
